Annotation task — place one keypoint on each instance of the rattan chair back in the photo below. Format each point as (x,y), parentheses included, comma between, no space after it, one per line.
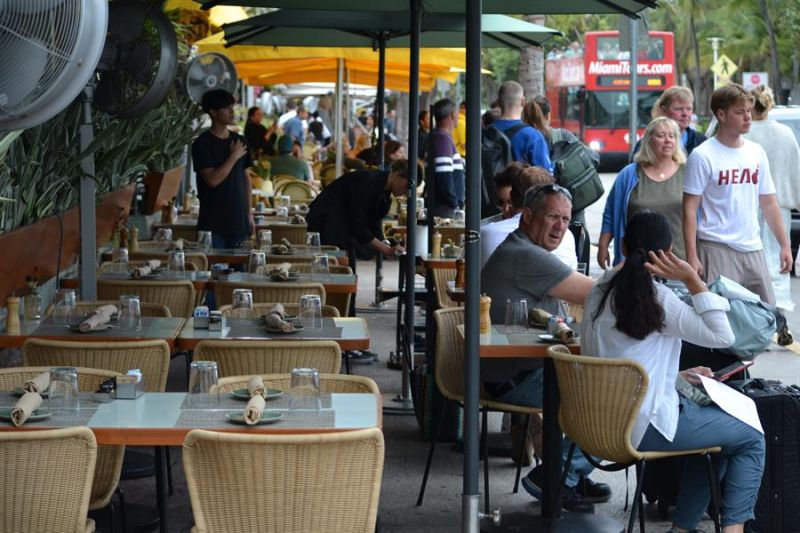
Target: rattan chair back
(283,292)
(299,191)
(179,296)
(198,259)
(108,266)
(150,356)
(238,358)
(328,383)
(449,371)
(324,482)
(260,309)
(84,307)
(47,480)
(440,278)
(600,400)
(294,233)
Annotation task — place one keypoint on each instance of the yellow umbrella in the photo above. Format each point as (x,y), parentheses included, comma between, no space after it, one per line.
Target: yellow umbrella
(217,15)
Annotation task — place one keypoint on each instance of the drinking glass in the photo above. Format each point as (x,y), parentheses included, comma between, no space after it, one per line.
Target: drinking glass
(119,258)
(163,235)
(204,240)
(516,315)
(134,312)
(311,311)
(422,214)
(285,201)
(420,202)
(177,262)
(257,261)
(264,239)
(124,302)
(242,299)
(313,242)
(63,390)
(203,378)
(64,307)
(320,266)
(282,211)
(304,391)
(459,216)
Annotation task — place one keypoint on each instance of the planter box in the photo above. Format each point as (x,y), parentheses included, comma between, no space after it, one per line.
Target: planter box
(161,188)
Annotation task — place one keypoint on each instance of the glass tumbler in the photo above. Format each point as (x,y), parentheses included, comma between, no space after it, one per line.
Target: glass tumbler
(264,239)
(119,258)
(313,242)
(285,201)
(124,300)
(516,315)
(177,262)
(282,211)
(311,311)
(242,299)
(134,316)
(304,391)
(64,306)
(203,378)
(257,262)
(320,266)
(204,240)
(63,390)
(459,216)
(163,235)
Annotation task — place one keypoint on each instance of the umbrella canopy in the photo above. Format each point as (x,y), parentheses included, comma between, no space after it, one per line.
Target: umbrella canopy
(365,28)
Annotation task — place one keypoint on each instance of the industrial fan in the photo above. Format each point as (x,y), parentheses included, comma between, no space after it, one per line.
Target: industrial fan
(207,72)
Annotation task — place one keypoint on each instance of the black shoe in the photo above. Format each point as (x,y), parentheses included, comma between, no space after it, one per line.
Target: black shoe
(593,492)
(362,358)
(574,502)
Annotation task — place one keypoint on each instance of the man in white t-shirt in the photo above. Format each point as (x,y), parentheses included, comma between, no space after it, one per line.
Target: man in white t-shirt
(728,179)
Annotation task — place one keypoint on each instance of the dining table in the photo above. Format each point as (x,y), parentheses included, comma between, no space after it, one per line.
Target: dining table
(503,353)
(298,253)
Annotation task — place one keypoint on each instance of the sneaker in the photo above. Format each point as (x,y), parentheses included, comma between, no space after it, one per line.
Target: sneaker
(593,492)
(571,499)
(361,358)
(532,482)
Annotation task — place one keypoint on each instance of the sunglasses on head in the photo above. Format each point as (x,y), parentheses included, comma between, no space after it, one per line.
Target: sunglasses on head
(552,189)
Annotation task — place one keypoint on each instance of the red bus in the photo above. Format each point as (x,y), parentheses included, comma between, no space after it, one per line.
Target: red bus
(589,94)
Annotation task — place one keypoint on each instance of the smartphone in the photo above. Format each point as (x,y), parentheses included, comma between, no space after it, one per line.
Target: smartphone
(730,370)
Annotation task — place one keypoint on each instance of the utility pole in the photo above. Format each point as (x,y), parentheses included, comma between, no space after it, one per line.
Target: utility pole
(715,49)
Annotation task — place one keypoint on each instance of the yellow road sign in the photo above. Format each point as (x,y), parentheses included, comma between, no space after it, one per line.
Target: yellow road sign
(724,67)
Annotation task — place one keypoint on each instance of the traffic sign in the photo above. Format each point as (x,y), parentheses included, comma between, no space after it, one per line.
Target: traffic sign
(724,67)
(751,80)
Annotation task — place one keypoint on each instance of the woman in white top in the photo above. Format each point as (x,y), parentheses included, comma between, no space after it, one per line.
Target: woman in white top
(628,315)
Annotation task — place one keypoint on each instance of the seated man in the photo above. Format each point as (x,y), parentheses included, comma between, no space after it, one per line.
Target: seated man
(523,266)
(286,163)
(512,184)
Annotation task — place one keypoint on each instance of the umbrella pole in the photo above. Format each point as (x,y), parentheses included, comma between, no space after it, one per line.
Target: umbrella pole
(338,111)
(381,97)
(88,190)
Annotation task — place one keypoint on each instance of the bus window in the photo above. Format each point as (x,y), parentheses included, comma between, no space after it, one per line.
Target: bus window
(609,109)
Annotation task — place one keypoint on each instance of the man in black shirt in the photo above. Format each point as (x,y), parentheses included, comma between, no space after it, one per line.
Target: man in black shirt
(260,139)
(220,159)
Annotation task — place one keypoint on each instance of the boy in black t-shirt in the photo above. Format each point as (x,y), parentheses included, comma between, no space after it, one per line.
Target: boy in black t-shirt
(220,159)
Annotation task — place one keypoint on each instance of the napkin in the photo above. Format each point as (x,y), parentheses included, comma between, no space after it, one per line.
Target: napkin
(253,410)
(280,249)
(255,386)
(564,333)
(177,245)
(38,384)
(25,407)
(100,317)
(146,269)
(538,317)
(278,310)
(275,319)
(298,219)
(284,241)
(280,272)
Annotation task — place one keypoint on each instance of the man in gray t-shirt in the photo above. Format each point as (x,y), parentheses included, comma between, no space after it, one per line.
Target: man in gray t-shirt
(524,267)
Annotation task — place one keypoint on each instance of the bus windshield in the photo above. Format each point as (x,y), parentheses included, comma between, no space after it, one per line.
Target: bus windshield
(609,109)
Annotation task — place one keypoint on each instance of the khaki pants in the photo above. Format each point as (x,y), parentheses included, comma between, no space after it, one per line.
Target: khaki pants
(749,269)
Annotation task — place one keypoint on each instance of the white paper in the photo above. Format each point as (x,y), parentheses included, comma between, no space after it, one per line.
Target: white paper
(732,402)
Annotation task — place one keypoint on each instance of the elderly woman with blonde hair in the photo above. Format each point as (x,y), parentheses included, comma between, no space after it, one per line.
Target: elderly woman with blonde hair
(653,182)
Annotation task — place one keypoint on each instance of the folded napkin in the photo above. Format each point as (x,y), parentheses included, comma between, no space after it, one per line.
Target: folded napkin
(177,245)
(284,241)
(274,319)
(278,310)
(298,219)
(254,409)
(25,407)
(100,317)
(564,333)
(146,269)
(280,271)
(255,386)
(442,221)
(538,317)
(38,384)
(280,249)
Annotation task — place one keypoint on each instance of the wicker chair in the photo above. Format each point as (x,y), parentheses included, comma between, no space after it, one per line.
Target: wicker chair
(177,295)
(328,383)
(109,458)
(260,309)
(600,400)
(151,356)
(327,174)
(440,278)
(283,292)
(108,266)
(47,480)
(299,191)
(83,307)
(294,233)
(237,358)
(198,259)
(449,373)
(328,482)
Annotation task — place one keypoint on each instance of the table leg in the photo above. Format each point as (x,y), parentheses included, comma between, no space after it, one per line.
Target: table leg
(161,489)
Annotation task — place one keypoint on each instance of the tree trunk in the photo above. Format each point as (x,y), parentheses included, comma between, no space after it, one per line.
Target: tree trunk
(531,64)
(773,53)
(698,75)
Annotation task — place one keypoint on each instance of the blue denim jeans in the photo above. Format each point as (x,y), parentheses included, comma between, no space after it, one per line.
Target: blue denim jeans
(740,466)
(531,393)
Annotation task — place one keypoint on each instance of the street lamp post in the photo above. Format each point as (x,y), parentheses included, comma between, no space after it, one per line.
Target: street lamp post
(715,49)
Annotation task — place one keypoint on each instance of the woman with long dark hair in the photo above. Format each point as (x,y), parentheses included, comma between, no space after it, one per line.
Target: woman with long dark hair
(628,315)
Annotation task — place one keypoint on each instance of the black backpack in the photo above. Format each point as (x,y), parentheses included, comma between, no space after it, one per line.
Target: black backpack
(575,168)
(495,156)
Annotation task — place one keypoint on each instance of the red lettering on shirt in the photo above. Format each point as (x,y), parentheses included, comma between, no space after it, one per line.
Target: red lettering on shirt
(745,175)
(754,177)
(737,176)
(724,175)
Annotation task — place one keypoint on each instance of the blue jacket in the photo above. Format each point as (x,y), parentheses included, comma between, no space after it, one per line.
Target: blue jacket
(528,145)
(615,214)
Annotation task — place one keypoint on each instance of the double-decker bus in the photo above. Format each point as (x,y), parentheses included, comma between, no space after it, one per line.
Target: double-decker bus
(589,95)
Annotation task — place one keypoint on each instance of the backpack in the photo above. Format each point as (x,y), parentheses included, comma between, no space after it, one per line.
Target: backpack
(495,156)
(575,168)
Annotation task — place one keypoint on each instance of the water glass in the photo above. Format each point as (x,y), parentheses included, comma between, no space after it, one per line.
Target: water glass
(119,258)
(124,300)
(64,306)
(304,391)
(177,262)
(63,390)
(242,299)
(283,211)
(264,239)
(257,261)
(285,201)
(313,242)
(203,378)
(422,214)
(163,235)
(459,216)
(311,311)
(204,240)
(420,203)
(320,266)
(134,315)
(516,315)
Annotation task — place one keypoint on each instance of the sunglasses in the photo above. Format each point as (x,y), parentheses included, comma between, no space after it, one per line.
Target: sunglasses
(549,189)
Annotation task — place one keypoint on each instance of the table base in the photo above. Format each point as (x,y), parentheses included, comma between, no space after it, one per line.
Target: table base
(568,523)
(139,518)
(394,404)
